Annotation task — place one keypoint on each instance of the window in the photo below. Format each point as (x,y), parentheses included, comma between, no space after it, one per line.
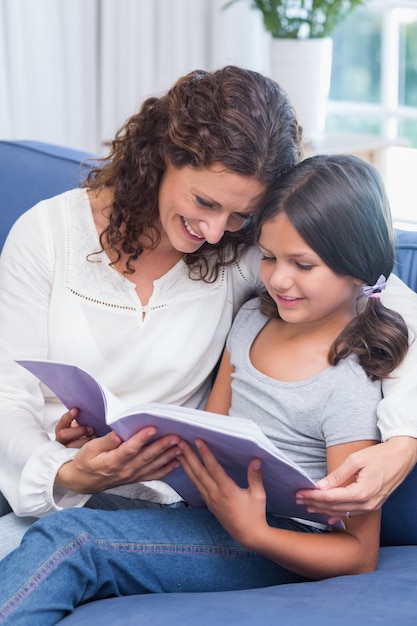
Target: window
(374,90)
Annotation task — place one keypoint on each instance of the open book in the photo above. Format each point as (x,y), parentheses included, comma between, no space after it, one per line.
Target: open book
(233,440)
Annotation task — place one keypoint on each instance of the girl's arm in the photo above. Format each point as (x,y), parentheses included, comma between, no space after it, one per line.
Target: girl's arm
(70,433)
(220,398)
(242,513)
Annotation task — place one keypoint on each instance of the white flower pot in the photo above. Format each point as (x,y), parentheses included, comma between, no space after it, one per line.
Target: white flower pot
(303,68)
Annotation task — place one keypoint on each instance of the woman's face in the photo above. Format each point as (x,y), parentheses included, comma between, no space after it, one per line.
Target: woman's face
(199,205)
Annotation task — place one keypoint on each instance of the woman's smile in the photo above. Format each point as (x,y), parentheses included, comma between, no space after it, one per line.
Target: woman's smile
(190,231)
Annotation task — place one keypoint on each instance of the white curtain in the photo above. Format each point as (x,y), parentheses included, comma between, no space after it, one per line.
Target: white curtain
(47,69)
(71,71)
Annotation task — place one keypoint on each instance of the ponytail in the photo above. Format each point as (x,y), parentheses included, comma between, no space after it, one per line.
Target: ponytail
(378,337)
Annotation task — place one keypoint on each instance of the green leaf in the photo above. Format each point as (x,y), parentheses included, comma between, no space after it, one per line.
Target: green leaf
(301,19)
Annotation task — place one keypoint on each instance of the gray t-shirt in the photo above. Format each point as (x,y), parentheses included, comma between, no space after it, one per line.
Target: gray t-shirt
(302,418)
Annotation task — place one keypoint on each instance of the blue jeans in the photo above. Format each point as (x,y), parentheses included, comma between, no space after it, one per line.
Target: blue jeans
(12,527)
(77,555)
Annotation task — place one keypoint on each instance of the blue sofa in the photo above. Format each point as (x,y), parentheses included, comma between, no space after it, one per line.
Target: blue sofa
(30,171)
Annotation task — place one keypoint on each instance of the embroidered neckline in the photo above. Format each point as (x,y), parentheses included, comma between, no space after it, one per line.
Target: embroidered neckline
(90,277)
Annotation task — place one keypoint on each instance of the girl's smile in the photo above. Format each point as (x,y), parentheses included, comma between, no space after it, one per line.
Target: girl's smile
(287,301)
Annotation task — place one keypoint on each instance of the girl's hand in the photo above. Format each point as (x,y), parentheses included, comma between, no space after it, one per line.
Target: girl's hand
(240,511)
(70,433)
(107,462)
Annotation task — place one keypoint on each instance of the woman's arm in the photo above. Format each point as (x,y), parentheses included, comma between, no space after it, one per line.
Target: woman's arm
(242,513)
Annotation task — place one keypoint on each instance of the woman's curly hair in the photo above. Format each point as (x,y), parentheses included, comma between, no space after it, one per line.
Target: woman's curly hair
(232,116)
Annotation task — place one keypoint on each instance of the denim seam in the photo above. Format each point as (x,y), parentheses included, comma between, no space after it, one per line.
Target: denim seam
(184,549)
(43,571)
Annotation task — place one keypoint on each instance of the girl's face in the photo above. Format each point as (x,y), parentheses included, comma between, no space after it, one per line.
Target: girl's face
(199,205)
(304,288)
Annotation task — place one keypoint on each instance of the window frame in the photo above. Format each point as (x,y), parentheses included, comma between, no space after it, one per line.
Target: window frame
(388,111)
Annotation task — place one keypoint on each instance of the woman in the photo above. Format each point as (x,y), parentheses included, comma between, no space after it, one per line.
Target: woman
(135,277)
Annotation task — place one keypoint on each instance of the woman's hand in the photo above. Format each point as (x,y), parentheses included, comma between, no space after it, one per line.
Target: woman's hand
(240,511)
(376,472)
(70,433)
(107,462)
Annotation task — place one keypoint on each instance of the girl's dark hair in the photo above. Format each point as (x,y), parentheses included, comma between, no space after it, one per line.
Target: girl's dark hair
(338,205)
(231,116)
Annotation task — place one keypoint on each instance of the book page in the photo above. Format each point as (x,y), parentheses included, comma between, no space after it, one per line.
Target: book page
(75,388)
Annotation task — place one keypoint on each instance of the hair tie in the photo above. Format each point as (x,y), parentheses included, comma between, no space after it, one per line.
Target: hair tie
(374,291)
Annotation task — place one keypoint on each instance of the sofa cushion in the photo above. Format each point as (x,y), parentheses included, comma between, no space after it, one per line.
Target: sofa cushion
(387,596)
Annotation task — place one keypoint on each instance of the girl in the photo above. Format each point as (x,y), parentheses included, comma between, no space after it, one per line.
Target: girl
(306,367)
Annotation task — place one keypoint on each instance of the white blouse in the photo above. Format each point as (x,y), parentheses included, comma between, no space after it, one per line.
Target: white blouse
(59,301)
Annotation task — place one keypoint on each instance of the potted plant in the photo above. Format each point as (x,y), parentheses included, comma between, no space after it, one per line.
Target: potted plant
(302,19)
(301,52)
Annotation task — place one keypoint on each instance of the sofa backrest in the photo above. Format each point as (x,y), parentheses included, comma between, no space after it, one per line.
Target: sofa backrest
(399,513)
(406,257)
(31,171)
